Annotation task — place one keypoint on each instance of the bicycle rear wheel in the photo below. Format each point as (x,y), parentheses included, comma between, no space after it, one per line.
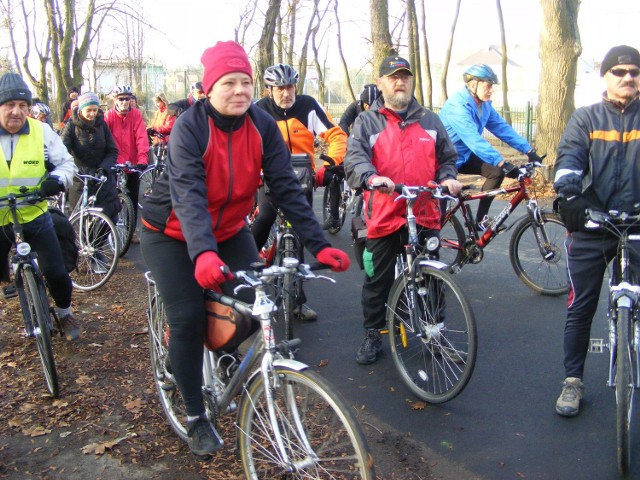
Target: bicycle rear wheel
(625,356)
(98,249)
(536,252)
(147,179)
(125,225)
(452,239)
(435,352)
(318,430)
(35,305)
(289,289)
(327,199)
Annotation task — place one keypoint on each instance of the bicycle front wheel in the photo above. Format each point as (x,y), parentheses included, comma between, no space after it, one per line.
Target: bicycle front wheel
(35,305)
(452,239)
(536,252)
(125,225)
(147,179)
(624,388)
(98,249)
(433,343)
(318,438)
(327,200)
(288,288)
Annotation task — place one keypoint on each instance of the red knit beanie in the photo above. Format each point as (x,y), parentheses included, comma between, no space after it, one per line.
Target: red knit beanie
(223,58)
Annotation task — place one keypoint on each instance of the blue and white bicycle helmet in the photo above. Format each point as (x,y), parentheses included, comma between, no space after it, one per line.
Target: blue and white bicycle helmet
(480,72)
(280,75)
(121,90)
(40,108)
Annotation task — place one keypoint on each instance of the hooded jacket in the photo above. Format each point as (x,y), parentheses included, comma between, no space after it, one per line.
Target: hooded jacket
(162,122)
(411,151)
(130,134)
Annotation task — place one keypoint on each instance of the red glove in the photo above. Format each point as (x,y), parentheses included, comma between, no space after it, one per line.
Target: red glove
(209,272)
(336,259)
(320,176)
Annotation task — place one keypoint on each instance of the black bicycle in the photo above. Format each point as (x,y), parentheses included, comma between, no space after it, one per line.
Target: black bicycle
(31,290)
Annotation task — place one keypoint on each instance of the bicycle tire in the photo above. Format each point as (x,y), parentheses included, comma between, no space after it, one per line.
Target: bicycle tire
(126,225)
(624,388)
(35,303)
(168,391)
(98,246)
(452,240)
(309,412)
(287,286)
(547,276)
(435,357)
(357,204)
(147,180)
(326,210)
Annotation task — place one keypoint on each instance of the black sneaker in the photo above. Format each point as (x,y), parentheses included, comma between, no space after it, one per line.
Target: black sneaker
(331,224)
(203,439)
(370,347)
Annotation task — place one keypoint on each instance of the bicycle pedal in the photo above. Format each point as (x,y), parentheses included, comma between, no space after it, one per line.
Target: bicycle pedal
(168,387)
(597,345)
(9,291)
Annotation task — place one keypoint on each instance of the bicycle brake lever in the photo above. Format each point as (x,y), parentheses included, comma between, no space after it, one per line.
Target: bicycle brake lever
(323,277)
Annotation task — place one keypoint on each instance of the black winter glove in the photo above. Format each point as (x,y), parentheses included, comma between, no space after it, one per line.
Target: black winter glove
(510,170)
(100,172)
(533,156)
(51,187)
(572,212)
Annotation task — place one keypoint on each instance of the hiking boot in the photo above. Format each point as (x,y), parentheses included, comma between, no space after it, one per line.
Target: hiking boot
(203,439)
(98,264)
(370,347)
(331,224)
(70,327)
(304,313)
(568,404)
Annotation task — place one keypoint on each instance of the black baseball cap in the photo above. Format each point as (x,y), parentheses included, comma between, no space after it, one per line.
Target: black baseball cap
(393,64)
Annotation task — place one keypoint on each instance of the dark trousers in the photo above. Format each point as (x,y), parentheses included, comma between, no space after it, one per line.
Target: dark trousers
(173,272)
(588,254)
(379,260)
(40,234)
(493,175)
(133,185)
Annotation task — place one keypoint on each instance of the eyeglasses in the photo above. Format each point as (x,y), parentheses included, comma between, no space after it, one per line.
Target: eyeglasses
(124,99)
(622,72)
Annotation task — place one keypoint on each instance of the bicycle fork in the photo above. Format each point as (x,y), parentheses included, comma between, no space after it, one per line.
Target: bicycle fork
(538,228)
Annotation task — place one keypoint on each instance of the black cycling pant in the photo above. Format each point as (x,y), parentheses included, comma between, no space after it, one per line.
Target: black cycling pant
(588,254)
(133,185)
(494,176)
(173,271)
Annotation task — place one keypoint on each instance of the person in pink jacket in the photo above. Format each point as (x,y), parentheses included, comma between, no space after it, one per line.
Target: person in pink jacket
(130,133)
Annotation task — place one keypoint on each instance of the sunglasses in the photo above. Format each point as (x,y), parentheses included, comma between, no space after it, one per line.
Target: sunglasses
(622,72)
(124,99)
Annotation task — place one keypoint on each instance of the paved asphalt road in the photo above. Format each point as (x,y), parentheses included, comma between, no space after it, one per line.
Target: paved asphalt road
(503,425)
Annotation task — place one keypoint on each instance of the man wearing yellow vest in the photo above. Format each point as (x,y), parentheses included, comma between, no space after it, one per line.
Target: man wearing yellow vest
(31,151)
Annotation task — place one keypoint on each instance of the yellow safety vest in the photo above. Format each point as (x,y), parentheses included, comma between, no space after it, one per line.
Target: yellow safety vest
(26,170)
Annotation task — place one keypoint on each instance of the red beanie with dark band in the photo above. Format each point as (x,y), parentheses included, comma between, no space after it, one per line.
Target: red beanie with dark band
(223,58)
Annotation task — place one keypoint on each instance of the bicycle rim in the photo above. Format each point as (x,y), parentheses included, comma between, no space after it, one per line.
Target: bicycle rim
(38,305)
(537,255)
(125,225)
(98,248)
(435,352)
(147,179)
(287,287)
(319,432)
(624,388)
(452,238)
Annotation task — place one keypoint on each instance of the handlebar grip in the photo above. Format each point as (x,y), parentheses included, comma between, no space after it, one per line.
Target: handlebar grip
(313,266)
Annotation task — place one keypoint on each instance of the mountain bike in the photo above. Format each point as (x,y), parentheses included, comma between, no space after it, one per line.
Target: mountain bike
(98,240)
(31,290)
(536,249)
(431,326)
(623,320)
(290,422)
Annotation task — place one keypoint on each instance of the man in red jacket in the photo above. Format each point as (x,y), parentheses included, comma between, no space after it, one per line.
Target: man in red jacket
(130,133)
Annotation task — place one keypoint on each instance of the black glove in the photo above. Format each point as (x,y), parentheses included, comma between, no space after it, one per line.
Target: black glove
(510,170)
(151,131)
(100,172)
(51,187)
(328,159)
(572,212)
(533,156)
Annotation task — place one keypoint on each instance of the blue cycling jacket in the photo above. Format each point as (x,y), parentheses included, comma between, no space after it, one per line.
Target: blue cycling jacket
(465,121)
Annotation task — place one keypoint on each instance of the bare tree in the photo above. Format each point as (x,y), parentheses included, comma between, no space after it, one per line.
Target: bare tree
(560,49)
(447,57)
(380,36)
(414,49)
(265,46)
(505,86)
(427,64)
(345,69)
(315,45)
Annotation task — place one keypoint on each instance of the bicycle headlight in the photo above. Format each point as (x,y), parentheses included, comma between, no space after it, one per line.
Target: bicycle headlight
(23,248)
(433,243)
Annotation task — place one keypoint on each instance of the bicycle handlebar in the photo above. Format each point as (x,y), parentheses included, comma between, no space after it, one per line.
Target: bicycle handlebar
(612,221)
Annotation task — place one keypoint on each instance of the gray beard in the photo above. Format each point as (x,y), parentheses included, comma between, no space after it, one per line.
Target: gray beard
(398,101)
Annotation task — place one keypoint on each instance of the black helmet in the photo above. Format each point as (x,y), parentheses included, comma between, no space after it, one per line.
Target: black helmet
(280,75)
(197,86)
(480,72)
(369,93)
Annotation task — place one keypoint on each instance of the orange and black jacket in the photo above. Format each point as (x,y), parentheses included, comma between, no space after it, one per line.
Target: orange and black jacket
(305,121)
(599,155)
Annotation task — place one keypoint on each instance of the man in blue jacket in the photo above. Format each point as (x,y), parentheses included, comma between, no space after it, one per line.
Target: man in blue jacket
(465,116)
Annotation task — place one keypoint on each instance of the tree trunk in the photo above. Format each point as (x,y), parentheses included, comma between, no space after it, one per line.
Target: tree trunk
(414,49)
(427,65)
(380,36)
(265,46)
(447,57)
(560,49)
(345,69)
(505,86)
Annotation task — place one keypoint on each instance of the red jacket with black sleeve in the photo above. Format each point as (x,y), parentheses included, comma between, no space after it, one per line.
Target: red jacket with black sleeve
(213,173)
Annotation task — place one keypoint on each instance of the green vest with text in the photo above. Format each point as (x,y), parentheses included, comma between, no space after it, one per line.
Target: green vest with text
(27,169)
